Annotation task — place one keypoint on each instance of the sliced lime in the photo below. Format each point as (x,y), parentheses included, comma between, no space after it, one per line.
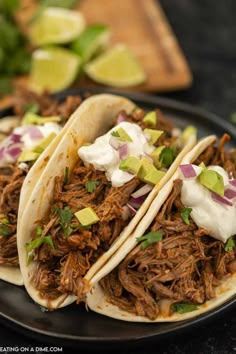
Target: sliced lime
(56,25)
(116,67)
(53,69)
(91,41)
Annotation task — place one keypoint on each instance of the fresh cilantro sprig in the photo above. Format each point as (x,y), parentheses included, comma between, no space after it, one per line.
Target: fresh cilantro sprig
(148,239)
(5,230)
(91,186)
(230,244)
(185,214)
(36,243)
(65,216)
(184,308)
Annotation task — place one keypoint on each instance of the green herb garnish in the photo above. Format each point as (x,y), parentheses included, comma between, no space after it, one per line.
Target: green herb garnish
(36,243)
(5,231)
(66,216)
(230,244)
(184,308)
(185,213)
(39,231)
(31,107)
(167,156)
(91,186)
(149,238)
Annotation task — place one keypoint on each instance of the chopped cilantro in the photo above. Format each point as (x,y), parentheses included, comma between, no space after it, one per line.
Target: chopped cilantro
(184,308)
(5,231)
(91,186)
(149,238)
(39,231)
(185,213)
(230,244)
(37,242)
(66,216)
(31,107)
(167,156)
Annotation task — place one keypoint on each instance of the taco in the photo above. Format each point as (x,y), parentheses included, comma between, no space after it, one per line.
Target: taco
(181,260)
(27,143)
(95,189)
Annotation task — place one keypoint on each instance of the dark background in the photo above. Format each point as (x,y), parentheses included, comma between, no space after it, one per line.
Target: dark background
(206,30)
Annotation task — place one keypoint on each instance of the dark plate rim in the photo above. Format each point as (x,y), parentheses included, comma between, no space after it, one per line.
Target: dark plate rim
(145,99)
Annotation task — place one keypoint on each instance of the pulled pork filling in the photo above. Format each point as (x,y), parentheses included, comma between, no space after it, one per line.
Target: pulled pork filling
(184,267)
(12,177)
(61,268)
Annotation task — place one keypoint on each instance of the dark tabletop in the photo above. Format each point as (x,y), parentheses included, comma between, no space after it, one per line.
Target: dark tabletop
(206,30)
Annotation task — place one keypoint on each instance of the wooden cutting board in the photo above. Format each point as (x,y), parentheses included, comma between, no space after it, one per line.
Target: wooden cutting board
(142,26)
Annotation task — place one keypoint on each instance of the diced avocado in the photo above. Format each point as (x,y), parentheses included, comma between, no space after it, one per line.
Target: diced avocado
(44,143)
(146,167)
(87,216)
(212,180)
(154,135)
(150,118)
(202,165)
(154,176)
(156,156)
(131,164)
(28,155)
(32,118)
(188,131)
(121,134)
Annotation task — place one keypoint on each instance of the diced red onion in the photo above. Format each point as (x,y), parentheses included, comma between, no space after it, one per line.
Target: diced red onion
(137,202)
(15,138)
(123,151)
(142,191)
(14,151)
(233,182)
(121,118)
(230,193)
(188,170)
(131,209)
(220,199)
(114,142)
(35,133)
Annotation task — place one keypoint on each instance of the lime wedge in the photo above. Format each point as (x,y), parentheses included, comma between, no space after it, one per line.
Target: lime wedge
(53,69)
(56,25)
(91,41)
(116,67)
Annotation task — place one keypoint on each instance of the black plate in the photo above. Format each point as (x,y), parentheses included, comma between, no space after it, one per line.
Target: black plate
(74,325)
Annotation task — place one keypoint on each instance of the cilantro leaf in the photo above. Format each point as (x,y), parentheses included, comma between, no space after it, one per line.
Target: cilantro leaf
(36,243)
(5,231)
(32,107)
(65,216)
(230,244)
(185,213)
(149,238)
(184,308)
(91,186)
(39,231)
(167,156)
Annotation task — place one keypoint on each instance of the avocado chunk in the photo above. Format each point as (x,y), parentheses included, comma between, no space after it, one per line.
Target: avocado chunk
(121,134)
(44,143)
(34,119)
(156,156)
(212,180)
(154,176)
(28,155)
(130,164)
(87,216)
(150,118)
(154,135)
(188,131)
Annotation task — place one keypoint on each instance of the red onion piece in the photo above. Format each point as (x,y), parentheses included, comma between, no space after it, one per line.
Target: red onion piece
(137,202)
(233,182)
(230,193)
(142,191)
(15,138)
(14,151)
(131,209)
(121,118)
(114,142)
(123,151)
(220,199)
(188,170)
(35,133)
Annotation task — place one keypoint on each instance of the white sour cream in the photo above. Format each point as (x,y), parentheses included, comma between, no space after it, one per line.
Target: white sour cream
(219,219)
(105,158)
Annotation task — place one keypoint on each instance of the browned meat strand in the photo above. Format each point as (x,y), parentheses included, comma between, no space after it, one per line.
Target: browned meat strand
(64,266)
(185,266)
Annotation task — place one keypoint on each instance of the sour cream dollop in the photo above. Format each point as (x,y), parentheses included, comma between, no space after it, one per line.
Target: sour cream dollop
(106,158)
(219,219)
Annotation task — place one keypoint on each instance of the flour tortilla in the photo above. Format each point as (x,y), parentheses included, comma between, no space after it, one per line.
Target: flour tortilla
(94,118)
(96,299)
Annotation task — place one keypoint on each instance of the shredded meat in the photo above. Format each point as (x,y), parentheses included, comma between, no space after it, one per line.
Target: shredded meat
(185,266)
